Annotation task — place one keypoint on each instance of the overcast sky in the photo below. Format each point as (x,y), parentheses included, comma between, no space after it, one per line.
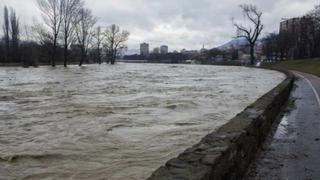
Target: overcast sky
(176,23)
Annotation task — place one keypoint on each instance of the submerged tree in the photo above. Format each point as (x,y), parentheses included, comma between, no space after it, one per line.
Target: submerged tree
(70,11)
(253,30)
(98,39)
(114,42)
(15,35)
(6,32)
(11,31)
(52,18)
(84,32)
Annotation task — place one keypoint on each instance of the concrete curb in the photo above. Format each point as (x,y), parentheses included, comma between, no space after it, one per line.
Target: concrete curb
(228,152)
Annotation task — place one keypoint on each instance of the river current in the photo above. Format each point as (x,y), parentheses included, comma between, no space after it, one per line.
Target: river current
(115,122)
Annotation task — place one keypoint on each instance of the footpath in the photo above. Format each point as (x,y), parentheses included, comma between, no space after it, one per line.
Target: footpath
(292,151)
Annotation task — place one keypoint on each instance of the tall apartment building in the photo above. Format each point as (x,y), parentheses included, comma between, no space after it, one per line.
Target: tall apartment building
(298,34)
(156,50)
(164,49)
(296,25)
(144,49)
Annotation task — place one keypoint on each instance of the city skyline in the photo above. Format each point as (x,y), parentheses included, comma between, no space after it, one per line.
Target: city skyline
(146,49)
(185,25)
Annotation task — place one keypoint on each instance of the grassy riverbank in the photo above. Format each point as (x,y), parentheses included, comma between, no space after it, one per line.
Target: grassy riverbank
(311,66)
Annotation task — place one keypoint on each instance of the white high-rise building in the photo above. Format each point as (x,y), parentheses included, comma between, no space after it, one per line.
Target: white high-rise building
(164,49)
(144,49)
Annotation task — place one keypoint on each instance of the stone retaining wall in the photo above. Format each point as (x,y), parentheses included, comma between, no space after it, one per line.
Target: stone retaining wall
(227,153)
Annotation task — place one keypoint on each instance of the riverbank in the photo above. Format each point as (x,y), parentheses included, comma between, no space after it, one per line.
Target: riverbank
(228,152)
(311,66)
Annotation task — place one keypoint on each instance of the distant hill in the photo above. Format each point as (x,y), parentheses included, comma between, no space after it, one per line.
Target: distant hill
(237,42)
(233,43)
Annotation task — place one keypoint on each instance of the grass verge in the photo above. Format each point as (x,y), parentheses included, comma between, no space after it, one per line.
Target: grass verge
(311,66)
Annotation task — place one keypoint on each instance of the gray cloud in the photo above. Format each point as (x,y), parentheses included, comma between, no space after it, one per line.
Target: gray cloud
(177,23)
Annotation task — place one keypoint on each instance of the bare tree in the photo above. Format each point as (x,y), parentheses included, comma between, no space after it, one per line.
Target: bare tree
(315,16)
(28,33)
(6,32)
(70,10)
(317,24)
(115,41)
(98,38)
(315,13)
(84,31)
(253,31)
(29,47)
(52,18)
(43,36)
(270,46)
(15,34)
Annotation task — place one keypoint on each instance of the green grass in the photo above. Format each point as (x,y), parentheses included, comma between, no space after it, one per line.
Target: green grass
(311,66)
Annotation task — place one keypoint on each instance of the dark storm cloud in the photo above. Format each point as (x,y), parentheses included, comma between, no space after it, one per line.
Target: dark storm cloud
(177,23)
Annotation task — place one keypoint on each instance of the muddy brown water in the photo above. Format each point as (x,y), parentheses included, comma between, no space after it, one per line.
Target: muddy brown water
(115,122)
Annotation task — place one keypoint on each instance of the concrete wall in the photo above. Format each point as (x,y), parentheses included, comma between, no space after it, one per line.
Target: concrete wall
(228,152)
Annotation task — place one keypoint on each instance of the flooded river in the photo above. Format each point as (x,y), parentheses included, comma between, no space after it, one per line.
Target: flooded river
(115,122)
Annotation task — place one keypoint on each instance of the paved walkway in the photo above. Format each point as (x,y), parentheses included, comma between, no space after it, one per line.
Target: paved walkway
(293,151)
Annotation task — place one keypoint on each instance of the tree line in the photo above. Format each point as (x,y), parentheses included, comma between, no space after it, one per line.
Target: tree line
(298,39)
(67,33)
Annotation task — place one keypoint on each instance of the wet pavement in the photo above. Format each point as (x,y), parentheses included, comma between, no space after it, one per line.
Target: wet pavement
(293,149)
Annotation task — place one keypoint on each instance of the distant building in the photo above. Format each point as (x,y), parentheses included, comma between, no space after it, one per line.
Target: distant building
(144,49)
(156,50)
(189,52)
(298,35)
(164,49)
(203,50)
(290,25)
(295,25)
